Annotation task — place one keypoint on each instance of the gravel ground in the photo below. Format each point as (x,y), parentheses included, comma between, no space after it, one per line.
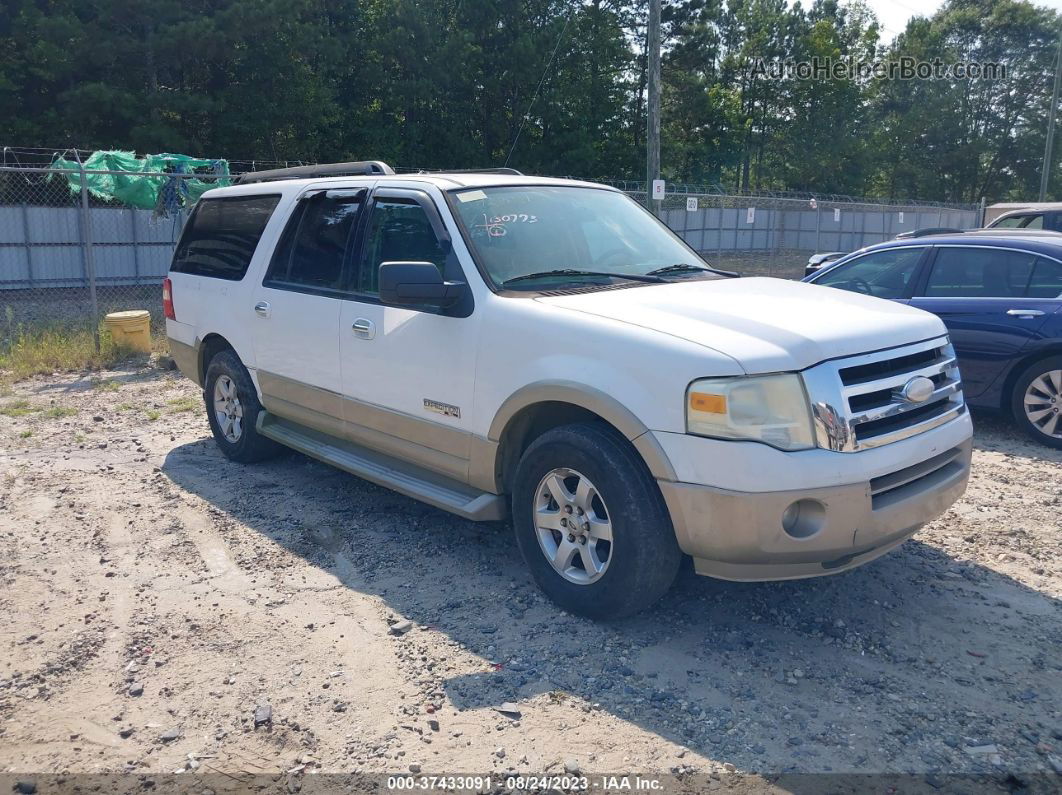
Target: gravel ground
(165,609)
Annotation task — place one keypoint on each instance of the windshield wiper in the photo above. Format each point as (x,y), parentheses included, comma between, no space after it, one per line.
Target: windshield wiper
(678,267)
(633,277)
(685,267)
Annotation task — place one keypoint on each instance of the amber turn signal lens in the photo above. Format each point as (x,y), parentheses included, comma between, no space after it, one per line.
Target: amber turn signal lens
(712,404)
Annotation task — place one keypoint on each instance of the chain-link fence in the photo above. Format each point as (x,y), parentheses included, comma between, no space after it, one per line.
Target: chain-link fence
(67,258)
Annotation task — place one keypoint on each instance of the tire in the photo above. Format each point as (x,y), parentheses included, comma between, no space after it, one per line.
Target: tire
(240,440)
(1036,401)
(597,472)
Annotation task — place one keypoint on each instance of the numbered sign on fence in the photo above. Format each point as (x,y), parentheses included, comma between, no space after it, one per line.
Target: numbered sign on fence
(901,216)
(837,214)
(750,215)
(691,205)
(658,189)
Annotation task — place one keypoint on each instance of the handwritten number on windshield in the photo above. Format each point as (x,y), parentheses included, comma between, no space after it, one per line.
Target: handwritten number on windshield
(494,225)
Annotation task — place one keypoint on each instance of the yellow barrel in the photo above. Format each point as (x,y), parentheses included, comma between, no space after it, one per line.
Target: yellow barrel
(130,329)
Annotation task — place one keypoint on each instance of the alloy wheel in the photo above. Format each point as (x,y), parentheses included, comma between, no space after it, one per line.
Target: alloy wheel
(227,409)
(573,526)
(1043,403)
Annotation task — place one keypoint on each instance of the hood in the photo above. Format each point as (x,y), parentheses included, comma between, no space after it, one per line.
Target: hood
(768,325)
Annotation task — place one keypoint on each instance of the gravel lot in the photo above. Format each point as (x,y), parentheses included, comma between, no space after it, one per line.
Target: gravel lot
(165,609)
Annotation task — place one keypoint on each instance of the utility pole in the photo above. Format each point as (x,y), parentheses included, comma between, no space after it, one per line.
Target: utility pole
(652,155)
(1049,145)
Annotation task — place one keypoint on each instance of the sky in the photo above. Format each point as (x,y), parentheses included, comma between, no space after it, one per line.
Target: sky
(893,14)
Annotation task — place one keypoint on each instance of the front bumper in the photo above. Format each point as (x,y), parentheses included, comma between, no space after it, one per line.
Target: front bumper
(740,535)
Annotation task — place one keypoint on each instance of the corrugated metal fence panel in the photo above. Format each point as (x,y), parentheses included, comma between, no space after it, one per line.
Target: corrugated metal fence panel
(728,229)
(42,246)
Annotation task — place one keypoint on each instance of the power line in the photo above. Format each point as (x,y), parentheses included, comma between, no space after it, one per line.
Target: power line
(538,88)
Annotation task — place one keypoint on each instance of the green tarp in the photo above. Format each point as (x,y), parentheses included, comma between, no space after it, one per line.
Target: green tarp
(138,185)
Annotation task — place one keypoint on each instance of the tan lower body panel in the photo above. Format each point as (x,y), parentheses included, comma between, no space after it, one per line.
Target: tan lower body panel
(186,357)
(425,444)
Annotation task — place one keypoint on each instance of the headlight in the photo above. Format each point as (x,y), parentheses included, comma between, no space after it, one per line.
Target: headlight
(772,409)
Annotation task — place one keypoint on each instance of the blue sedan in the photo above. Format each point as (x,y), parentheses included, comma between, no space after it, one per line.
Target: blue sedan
(1000,297)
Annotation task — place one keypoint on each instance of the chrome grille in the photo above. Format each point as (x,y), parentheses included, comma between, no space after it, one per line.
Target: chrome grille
(859,402)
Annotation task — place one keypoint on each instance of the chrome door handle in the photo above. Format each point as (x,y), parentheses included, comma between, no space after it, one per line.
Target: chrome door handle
(262,308)
(1025,312)
(364,328)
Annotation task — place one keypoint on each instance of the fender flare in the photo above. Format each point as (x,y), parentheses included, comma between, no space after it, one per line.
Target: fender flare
(595,401)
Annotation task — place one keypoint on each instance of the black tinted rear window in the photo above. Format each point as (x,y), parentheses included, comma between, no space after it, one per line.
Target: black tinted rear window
(221,236)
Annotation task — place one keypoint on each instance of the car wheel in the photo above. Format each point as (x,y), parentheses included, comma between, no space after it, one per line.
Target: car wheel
(232,409)
(1037,401)
(591,523)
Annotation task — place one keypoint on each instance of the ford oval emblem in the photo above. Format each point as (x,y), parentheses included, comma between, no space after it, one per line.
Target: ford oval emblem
(918,390)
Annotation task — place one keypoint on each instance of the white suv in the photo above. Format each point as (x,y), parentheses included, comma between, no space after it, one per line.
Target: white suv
(491,343)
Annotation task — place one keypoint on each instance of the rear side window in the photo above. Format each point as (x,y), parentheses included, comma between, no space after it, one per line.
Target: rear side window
(1046,280)
(979,273)
(221,236)
(313,249)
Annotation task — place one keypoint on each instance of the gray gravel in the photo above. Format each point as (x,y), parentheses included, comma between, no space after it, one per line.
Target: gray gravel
(370,632)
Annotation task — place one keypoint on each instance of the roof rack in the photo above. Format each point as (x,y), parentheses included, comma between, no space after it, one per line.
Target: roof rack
(355,169)
(509,171)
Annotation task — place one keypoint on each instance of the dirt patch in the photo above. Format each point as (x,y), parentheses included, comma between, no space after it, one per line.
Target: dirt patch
(167,609)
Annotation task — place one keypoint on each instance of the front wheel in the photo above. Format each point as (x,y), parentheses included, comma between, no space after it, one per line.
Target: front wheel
(1037,401)
(591,523)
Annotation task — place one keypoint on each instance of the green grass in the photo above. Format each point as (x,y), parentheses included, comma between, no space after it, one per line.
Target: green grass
(183,404)
(125,407)
(110,385)
(25,434)
(57,412)
(153,414)
(18,408)
(79,438)
(44,351)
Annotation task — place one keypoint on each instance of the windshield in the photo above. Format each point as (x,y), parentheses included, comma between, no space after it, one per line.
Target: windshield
(534,237)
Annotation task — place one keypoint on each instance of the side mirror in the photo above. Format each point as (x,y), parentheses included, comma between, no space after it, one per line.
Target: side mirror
(416,284)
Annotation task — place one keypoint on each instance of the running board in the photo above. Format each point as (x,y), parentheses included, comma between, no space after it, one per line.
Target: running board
(385,470)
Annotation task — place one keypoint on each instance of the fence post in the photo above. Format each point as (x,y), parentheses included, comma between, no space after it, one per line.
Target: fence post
(719,235)
(136,246)
(818,227)
(29,244)
(90,265)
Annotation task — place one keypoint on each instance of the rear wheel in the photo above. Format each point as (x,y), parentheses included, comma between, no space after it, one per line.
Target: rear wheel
(591,523)
(1037,401)
(233,408)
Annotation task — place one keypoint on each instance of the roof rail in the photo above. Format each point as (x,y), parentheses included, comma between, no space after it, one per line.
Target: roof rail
(510,171)
(355,169)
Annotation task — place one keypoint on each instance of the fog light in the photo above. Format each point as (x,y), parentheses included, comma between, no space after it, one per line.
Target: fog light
(803,518)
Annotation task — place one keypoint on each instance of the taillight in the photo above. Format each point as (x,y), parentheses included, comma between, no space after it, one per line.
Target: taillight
(167,299)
